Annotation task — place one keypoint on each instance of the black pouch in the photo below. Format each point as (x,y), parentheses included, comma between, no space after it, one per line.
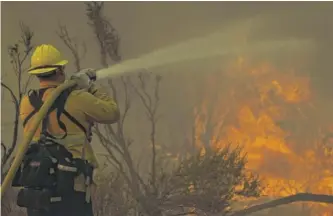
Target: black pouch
(38,173)
(34,199)
(65,170)
(66,173)
(18,179)
(38,170)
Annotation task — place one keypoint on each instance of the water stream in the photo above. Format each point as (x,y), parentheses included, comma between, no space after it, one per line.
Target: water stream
(231,40)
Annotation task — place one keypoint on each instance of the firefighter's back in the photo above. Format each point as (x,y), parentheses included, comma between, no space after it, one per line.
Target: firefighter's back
(84,109)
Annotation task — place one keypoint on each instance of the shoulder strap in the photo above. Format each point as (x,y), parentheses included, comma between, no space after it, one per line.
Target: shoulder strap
(61,101)
(35,98)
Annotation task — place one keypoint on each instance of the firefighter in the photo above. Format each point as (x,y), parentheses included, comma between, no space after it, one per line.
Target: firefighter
(63,139)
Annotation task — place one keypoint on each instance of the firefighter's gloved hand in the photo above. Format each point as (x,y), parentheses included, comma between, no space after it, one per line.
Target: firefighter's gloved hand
(82,81)
(84,78)
(90,72)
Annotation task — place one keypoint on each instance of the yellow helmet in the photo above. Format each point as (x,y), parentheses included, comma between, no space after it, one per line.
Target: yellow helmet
(45,58)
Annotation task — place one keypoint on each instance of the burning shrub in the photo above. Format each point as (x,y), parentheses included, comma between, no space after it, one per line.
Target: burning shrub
(209,180)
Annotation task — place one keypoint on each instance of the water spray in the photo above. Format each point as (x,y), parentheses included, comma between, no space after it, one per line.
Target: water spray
(162,57)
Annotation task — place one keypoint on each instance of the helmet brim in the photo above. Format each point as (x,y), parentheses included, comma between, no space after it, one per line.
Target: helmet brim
(46,70)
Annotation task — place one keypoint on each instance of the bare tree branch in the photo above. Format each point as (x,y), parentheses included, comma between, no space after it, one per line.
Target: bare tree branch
(18,58)
(125,81)
(106,34)
(150,104)
(4,150)
(13,96)
(72,45)
(300,197)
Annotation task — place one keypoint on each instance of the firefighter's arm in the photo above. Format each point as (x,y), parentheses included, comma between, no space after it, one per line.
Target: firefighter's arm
(24,107)
(98,106)
(99,93)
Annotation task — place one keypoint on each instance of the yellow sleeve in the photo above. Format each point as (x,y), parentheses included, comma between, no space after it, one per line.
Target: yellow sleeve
(97,106)
(24,107)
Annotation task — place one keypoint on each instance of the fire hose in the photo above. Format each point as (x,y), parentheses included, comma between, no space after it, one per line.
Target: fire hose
(29,135)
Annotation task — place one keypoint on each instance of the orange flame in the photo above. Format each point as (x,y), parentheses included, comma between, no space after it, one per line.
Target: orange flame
(268,112)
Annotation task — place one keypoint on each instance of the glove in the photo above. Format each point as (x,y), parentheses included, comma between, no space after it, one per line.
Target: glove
(84,78)
(90,72)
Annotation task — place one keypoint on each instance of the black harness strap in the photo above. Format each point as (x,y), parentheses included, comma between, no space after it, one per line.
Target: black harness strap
(35,98)
(45,124)
(74,120)
(35,101)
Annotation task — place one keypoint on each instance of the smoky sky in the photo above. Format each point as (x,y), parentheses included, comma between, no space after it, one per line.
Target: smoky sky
(146,26)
